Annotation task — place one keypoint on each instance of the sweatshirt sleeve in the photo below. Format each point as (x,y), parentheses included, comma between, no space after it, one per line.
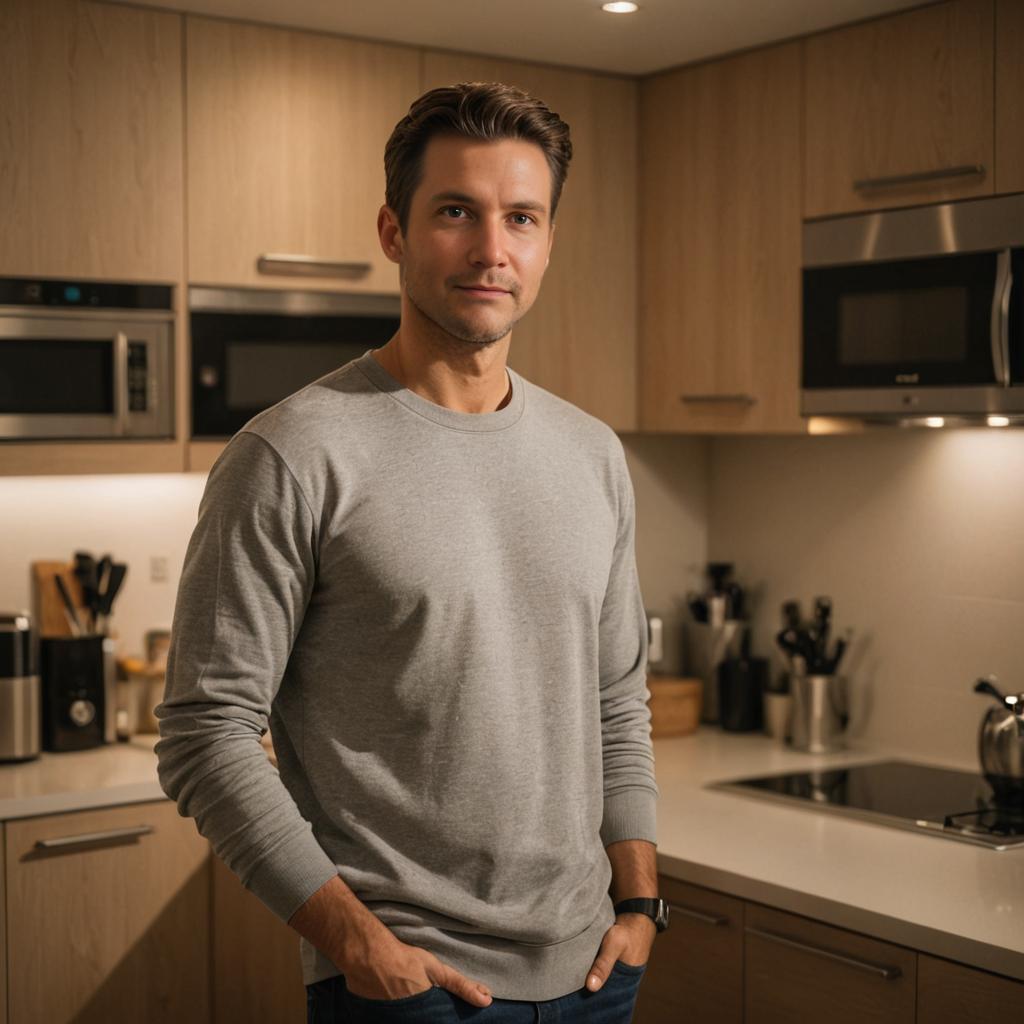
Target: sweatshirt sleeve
(248,575)
(630,792)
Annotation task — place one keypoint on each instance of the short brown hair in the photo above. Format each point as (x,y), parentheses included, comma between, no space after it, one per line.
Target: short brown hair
(488,111)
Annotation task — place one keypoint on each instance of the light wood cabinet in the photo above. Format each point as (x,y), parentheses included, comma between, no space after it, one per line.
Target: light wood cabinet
(579,340)
(111,929)
(286,134)
(719,251)
(949,993)
(1009,96)
(91,146)
(255,958)
(797,969)
(897,98)
(696,967)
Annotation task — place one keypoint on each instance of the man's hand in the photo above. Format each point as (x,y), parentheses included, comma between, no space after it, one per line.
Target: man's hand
(376,964)
(388,968)
(629,940)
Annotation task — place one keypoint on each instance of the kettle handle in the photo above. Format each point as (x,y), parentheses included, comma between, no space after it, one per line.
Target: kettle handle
(985,686)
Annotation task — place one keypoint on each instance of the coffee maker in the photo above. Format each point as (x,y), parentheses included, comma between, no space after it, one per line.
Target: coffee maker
(20,722)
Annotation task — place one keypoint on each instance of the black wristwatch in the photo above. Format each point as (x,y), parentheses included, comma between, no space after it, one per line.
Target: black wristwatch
(656,910)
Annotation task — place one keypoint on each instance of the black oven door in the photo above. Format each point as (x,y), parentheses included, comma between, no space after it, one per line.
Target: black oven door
(920,323)
(244,360)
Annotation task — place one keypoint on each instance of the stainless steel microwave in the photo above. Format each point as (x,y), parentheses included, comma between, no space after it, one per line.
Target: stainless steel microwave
(85,360)
(916,312)
(252,347)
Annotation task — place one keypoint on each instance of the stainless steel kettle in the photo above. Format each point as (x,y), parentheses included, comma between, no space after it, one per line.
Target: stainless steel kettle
(1001,742)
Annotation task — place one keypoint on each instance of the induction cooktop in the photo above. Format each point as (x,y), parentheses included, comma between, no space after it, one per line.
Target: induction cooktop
(903,794)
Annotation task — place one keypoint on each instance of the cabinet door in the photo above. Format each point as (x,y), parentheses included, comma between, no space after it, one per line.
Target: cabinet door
(255,958)
(91,146)
(799,970)
(1009,96)
(286,134)
(720,246)
(112,929)
(579,340)
(696,968)
(907,97)
(949,993)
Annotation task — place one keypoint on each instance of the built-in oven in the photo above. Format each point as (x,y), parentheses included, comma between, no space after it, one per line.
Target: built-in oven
(85,360)
(916,312)
(253,347)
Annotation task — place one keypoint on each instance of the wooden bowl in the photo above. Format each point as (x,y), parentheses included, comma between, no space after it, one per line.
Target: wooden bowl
(674,704)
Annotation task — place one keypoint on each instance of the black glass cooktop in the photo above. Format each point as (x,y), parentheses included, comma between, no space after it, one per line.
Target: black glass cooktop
(939,801)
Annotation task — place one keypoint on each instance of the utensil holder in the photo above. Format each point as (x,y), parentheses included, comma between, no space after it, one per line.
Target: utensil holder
(706,648)
(819,713)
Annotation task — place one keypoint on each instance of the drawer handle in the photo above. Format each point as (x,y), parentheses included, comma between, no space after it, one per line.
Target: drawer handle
(918,177)
(738,399)
(699,915)
(883,970)
(88,838)
(309,266)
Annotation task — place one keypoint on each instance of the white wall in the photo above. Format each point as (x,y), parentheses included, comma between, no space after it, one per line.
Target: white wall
(917,536)
(131,516)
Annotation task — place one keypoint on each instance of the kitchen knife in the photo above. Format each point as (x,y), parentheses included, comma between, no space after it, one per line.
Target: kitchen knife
(85,572)
(115,578)
(70,611)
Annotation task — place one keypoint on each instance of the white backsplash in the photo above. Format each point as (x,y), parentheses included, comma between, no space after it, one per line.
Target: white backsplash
(917,536)
(134,517)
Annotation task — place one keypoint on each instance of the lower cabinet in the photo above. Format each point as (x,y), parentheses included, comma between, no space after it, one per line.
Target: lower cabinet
(724,959)
(108,917)
(695,966)
(798,970)
(258,977)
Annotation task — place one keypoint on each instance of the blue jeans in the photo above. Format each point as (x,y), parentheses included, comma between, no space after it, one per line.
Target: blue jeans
(330,1002)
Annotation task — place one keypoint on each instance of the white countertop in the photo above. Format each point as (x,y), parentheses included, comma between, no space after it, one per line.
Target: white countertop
(949,898)
(945,897)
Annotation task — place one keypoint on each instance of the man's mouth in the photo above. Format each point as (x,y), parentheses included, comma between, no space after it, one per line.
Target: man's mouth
(482,289)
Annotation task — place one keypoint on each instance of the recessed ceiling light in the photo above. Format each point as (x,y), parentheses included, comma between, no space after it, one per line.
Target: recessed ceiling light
(998,421)
(934,421)
(620,8)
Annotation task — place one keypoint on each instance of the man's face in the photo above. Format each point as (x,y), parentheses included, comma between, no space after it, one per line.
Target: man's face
(478,237)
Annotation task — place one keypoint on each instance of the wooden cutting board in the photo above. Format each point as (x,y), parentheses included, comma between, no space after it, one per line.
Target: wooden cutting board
(47,607)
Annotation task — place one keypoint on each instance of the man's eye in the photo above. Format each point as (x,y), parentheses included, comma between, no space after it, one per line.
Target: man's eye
(455,212)
(522,218)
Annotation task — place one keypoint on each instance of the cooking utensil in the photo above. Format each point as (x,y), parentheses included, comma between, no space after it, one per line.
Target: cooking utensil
(115,579)
(69,606)
(85,573)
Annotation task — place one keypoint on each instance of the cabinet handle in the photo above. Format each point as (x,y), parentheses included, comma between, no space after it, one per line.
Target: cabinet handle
(885,971)
(699,915)
(738,399)
(87,838)
(918,177)
(309,266)
(1000,323)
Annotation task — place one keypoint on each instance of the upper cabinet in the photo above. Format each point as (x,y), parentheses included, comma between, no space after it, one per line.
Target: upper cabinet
(579,340)
(286,134)
(719,246)
(1009,96)
(91,141)
(899,110)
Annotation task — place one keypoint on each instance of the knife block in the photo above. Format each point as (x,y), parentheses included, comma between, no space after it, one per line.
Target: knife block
(47,607)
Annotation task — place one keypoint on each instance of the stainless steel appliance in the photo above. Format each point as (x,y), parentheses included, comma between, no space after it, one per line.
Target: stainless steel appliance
(915,313)
(20,722)
(85,360)
(918,797)
(252,347)
(1001,742)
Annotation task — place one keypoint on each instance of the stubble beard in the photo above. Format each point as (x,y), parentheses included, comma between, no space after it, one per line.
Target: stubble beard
(460,330)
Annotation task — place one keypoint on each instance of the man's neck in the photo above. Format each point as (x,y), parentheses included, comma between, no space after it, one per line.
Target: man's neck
(454,375)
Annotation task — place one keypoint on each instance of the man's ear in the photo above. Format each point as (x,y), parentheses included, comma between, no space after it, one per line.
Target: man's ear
(390,234)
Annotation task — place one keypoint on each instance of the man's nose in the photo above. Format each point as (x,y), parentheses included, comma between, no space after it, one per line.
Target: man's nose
(488,248)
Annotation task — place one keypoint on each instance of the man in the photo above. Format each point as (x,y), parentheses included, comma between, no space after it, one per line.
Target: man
(419,570)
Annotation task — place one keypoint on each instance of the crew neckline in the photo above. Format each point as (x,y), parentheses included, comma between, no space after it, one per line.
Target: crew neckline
(477,422)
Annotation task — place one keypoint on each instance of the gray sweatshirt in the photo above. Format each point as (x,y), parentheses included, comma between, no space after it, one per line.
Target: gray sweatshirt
(437,614)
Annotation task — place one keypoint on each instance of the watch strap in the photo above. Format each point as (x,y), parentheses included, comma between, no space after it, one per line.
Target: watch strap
(655,909)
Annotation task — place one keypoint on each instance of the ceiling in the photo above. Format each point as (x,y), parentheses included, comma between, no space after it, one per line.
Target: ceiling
(576,33)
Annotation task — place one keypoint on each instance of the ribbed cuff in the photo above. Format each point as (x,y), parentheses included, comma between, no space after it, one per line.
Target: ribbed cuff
(630,814)
(291,873)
